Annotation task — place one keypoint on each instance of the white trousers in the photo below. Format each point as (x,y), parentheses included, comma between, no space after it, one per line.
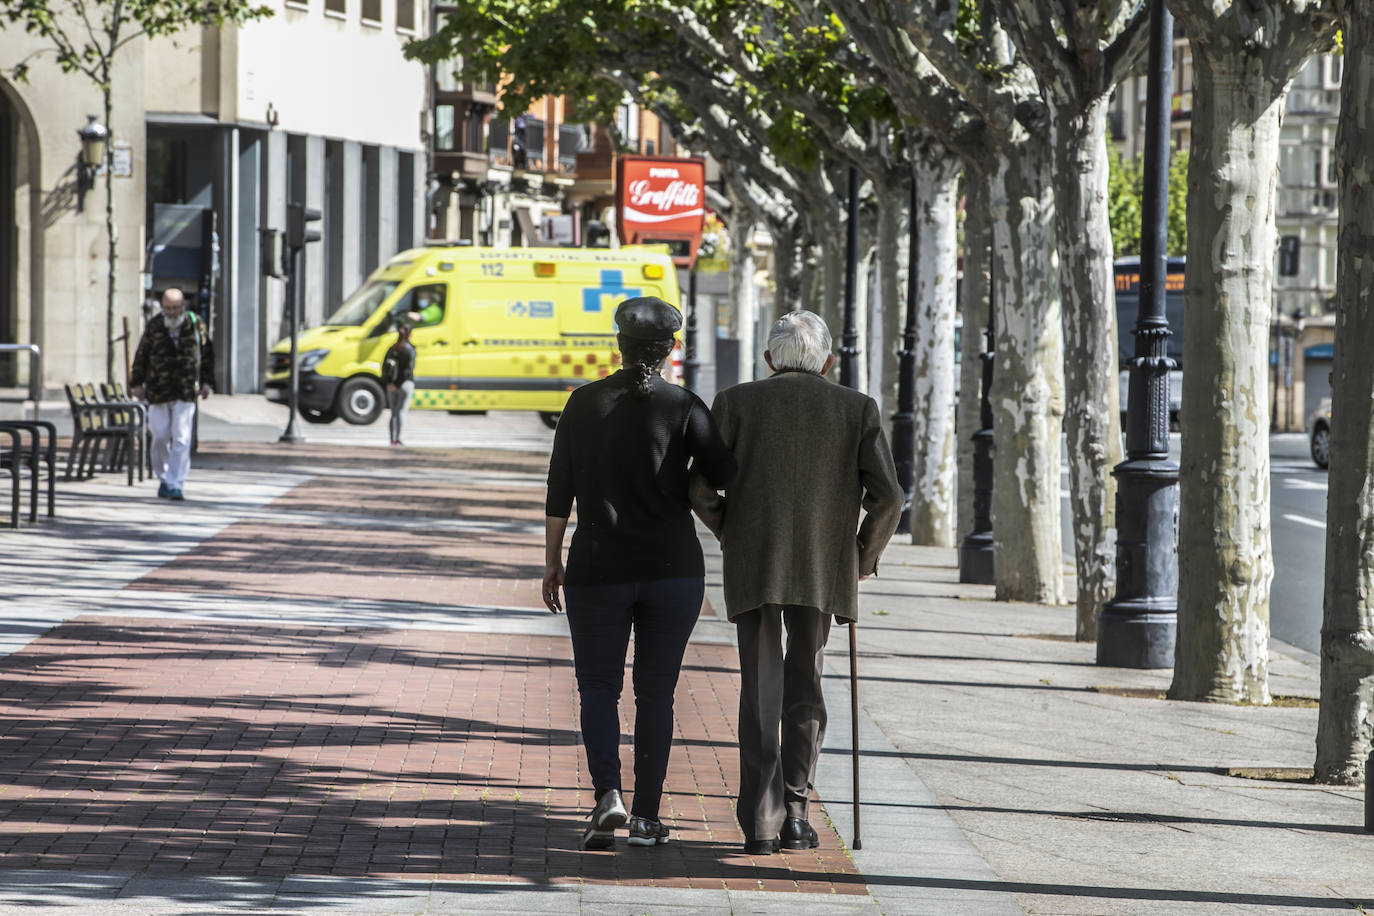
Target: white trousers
(170,424)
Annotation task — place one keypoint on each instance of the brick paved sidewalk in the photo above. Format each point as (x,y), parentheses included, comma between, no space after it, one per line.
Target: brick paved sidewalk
(199,748)
(207,749)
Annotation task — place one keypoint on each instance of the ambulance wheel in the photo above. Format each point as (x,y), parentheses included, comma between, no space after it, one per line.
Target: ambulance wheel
(360,400)
(550,419)
(312,415)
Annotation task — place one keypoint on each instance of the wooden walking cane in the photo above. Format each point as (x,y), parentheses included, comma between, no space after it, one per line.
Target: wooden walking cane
(854,725)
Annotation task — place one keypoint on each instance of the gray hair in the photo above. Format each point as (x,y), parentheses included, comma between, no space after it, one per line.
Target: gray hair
(799,340)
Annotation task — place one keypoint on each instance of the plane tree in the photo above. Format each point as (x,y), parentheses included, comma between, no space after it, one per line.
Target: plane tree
(950,68)
(1345,723)
(1245,55)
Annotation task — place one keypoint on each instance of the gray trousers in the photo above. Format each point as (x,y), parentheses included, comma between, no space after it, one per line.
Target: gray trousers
(781,714)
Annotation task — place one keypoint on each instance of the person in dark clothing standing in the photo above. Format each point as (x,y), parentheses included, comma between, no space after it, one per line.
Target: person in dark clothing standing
(621,452)
(398,375)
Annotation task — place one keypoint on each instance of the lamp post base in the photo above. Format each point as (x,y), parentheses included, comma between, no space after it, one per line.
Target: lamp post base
(976,560)
(1134,639)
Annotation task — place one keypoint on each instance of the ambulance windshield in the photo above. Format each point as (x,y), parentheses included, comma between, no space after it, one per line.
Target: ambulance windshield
(359,307)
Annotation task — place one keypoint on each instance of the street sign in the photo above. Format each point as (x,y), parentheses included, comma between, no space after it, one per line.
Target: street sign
(662,199)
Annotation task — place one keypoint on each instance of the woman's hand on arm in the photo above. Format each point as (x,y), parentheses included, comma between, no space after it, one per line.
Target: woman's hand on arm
(554,529)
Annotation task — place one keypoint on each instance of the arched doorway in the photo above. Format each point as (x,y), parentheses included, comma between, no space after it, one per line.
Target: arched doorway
(21,235)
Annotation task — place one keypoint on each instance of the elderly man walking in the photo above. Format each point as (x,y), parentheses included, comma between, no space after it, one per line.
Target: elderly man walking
(810,455)
(174,363)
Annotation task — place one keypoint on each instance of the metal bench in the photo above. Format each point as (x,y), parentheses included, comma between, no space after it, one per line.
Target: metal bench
(97,437)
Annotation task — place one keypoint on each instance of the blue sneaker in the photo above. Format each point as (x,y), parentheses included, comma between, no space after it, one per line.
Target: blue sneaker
(163,491)
(175,495)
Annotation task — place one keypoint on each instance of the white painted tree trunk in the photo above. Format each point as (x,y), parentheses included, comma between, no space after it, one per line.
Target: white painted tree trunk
(974,310)
(933,509)
(1225,565)
(828,298)
(743,290)
(885,301)
(1027,383)
(1345,724)
(863,303)
(788,277)
(1092,424)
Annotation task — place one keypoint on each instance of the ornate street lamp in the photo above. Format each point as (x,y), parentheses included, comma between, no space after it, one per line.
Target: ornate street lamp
(904,420)
(1138,626)
(976,554)
(849,341)
(93,139)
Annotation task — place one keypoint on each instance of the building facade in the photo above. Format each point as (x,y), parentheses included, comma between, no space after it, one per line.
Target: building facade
(53,251)
(316,105)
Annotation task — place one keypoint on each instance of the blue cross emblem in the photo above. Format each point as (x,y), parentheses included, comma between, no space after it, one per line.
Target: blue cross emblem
(612,284)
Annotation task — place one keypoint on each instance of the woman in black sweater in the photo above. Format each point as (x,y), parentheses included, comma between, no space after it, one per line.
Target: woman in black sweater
(621,452)
(398,375)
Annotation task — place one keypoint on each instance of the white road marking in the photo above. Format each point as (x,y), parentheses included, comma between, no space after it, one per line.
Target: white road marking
(1304,520)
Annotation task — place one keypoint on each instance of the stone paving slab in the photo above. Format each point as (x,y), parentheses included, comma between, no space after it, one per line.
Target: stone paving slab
(170,749)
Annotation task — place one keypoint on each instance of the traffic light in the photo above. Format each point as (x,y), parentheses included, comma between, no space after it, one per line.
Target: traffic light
(298,228)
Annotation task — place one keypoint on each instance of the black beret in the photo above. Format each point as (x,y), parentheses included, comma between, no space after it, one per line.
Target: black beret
(647,318)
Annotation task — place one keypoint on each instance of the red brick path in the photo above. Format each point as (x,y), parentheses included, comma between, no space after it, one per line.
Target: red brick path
(207,748)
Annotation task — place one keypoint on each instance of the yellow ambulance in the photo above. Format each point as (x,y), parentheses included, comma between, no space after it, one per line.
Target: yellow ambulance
(493,329)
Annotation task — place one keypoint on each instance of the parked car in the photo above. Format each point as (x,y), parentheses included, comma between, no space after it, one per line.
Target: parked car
(1319,428)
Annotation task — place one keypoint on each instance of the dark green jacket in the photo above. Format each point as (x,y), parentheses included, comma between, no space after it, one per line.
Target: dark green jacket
(173,371)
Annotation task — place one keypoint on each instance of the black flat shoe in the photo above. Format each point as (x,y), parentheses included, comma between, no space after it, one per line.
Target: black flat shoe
(760,847)
(798,834)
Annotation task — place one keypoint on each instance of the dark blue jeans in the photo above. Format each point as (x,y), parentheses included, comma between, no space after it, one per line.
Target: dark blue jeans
(662,614)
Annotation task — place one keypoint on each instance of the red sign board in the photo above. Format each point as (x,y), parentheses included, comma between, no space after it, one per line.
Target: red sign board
(662,199)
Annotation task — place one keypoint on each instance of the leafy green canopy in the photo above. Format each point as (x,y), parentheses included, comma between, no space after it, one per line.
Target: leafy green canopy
(85,35)
(1125,191)
(756,59)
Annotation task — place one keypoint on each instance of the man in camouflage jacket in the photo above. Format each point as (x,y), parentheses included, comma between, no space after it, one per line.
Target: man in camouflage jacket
(173,365)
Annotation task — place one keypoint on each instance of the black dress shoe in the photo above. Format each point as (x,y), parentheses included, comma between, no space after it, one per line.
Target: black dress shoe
(760,847)
(798,834)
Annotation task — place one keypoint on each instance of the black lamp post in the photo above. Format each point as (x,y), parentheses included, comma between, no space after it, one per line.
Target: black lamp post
(904,420)
(1139,625)
(976,553)
(93,136)
(849,342)
(691,366)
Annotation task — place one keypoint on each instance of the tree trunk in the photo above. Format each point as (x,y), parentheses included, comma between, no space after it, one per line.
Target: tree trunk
(111,234)
(787,273)
(1028,384)
(974,306)
(1225,565)
(864,300)
(1092,418)
(886,329)
(743,292)
(828,301)
(933,509)
(1345,725)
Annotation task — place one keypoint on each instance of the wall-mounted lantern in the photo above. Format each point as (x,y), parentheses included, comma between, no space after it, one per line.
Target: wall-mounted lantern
(93,139)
